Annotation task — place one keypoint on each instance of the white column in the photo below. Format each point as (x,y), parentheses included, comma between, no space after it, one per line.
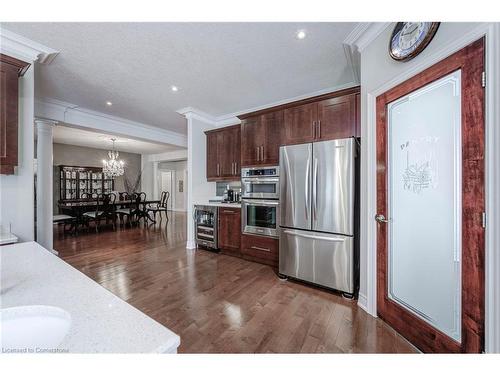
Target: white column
(190,243)
(44,193)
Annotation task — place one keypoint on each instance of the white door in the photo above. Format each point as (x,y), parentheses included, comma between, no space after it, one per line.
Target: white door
(167,179)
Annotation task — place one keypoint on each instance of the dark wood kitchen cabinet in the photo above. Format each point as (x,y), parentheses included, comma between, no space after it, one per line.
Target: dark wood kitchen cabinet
(229,230)
(223,154)
(10,71)
(336,118)
(331,118)
(300,123)
(260,249)
(261,137)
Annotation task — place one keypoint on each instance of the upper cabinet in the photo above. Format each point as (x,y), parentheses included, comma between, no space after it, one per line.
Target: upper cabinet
(336,118)
(322,120)
(10,71)
(261,137)
(223,154)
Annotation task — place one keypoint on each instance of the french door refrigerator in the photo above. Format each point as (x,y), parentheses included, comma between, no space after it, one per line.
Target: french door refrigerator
(317,213)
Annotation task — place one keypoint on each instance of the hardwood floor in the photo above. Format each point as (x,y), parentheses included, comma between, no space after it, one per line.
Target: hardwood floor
(218,303)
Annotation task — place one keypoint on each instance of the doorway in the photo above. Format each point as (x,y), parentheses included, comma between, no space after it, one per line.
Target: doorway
(430,205)
(167,179)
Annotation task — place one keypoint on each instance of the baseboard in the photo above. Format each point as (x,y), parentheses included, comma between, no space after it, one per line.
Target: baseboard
(363,302)
(190,245)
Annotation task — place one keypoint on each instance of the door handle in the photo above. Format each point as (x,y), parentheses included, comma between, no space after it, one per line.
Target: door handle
(313,237)
(261,248)
(308,181)
(381,218)
(315,188)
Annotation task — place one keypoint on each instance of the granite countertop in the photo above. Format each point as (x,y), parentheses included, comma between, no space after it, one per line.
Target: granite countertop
(101,322)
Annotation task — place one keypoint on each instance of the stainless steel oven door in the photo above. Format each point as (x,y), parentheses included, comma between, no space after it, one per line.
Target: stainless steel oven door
(261,187)
(260,217)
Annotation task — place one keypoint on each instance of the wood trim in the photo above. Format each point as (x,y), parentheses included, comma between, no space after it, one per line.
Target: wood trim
(471,62)
(21,66)
(351,90)
(222,129)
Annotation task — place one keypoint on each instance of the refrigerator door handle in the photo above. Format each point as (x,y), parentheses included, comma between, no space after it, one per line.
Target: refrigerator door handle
(315,188)
(313,237)
(306,195)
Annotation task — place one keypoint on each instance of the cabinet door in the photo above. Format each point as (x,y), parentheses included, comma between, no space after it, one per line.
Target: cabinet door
(236,150)
(229,152)
(252,138)
(300,123)
(229,231)
(273,125)
(336,118)
(213,166)
(8,118)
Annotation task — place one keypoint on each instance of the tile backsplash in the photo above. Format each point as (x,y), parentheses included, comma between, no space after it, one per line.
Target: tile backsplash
(222,185)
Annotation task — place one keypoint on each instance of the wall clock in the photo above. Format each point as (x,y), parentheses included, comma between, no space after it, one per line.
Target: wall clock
(408,39)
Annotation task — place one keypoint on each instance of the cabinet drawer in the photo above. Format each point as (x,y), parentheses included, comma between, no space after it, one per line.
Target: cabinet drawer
(260,249)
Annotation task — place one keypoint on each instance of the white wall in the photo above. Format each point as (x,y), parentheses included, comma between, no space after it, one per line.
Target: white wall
(149,165)
(199,190)
(378,74)
(179,168)
(17,191)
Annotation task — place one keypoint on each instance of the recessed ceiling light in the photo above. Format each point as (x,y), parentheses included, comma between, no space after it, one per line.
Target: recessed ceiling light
(175,88)
(109,104)
(301,34)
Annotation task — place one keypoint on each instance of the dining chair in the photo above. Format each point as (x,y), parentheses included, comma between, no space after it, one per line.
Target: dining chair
(140,207)
(160,207)
(127,210)
(105,209)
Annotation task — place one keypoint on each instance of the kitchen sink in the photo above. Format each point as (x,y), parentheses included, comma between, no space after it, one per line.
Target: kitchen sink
(31,328)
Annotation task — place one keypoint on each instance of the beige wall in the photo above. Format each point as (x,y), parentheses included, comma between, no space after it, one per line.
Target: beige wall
(92,157)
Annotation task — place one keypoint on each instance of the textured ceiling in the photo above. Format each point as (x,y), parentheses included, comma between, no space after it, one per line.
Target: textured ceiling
(220,68)
(79,137)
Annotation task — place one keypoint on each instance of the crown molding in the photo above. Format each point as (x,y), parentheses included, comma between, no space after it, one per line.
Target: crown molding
(363,34)
(18,46)
(232,118)
(73,115)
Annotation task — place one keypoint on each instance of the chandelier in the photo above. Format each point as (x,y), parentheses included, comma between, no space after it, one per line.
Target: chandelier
(113,167)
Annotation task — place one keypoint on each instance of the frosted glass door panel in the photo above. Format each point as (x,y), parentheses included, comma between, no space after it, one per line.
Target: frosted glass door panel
(424,169)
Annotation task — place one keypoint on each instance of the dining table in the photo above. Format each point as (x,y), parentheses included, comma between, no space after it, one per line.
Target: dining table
(78,208)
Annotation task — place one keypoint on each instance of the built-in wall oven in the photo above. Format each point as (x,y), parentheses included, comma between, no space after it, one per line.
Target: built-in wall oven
(260,217)
(260,183)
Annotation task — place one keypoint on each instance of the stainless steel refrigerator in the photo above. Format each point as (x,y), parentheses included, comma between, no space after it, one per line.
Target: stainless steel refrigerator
(317,197)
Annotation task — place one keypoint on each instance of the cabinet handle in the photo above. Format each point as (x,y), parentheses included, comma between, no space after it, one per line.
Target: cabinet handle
(319,128)
(262,152)
(257,149)
(218,170)
(228,212)
(261,248)
(314,129)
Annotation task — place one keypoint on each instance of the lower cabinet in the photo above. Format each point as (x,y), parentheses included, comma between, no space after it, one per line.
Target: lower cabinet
(229,232)
(260,249)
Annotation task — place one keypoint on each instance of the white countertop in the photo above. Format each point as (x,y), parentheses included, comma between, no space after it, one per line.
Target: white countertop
(219,204)
(101,322)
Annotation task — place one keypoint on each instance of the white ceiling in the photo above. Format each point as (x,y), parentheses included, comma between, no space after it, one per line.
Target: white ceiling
(220,68)
(78,137)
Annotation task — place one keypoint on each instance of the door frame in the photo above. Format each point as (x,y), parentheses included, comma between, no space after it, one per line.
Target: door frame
(410,325)
(368,301)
